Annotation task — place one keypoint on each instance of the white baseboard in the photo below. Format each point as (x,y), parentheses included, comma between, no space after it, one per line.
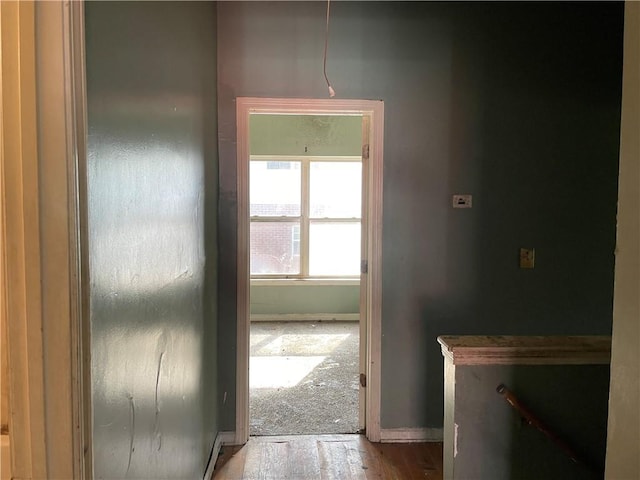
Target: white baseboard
(410,435)
(217,445)
(223,438)
(309,317)
(228,438)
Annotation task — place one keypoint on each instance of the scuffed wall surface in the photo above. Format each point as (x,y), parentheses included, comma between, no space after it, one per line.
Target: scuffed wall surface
(515,103)
(152,201)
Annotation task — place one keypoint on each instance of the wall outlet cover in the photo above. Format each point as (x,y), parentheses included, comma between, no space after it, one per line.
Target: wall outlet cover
(527,257)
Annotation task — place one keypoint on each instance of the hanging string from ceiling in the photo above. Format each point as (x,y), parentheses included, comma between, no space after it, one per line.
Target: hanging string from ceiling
(332,92)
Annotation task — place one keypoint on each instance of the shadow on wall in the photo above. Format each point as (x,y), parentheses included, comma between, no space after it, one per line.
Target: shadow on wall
(493,441)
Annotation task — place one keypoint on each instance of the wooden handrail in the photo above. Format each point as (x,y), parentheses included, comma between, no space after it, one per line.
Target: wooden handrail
(531,419)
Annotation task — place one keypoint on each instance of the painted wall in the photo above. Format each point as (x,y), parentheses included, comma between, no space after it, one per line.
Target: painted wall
(492,441)
(305,135)
(152,170)
(624,421)
(288,299)
(515,103)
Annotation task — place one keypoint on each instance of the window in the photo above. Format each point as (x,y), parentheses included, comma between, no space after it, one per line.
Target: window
(295,241)
(305,216)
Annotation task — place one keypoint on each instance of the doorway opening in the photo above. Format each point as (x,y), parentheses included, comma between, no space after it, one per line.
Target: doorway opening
(305,204)
(319,204)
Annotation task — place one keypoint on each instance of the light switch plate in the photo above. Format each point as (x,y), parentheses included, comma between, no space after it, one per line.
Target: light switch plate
(462,201)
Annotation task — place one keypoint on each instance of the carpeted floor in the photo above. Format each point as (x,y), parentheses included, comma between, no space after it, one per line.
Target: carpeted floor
(303,378)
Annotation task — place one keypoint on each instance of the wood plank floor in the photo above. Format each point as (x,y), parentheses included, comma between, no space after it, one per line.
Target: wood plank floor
(328,457)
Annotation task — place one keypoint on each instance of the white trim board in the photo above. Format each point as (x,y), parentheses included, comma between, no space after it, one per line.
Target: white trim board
(304,282)
(411,435)
(305,317)
(215,452)
(222,439)
(317,158)
(227,438)
(41,150)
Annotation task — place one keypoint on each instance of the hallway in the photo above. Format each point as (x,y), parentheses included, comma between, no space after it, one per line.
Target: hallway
(329,457)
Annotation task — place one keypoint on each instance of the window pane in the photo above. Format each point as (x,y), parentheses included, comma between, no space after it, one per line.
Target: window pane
(274,188)
(275,247)
(335,189)
(334,248)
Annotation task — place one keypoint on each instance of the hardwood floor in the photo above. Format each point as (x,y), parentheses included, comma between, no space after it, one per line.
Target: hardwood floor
(328,457)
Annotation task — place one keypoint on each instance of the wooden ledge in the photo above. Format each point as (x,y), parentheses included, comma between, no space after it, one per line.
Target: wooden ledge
(526,350)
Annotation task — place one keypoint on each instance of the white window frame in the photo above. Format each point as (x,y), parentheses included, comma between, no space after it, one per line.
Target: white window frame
(304,218)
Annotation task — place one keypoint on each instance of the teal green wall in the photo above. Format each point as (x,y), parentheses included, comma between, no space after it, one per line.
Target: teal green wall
(152,208)
(305,135)
(274,299)
(517,103)
(493,443)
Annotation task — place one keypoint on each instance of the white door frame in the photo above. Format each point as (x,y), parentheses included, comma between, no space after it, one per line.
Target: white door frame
(374,111)
(42,129)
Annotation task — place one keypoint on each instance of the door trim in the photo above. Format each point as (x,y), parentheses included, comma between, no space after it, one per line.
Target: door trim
(21,275)
(374,110)
(42,63)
